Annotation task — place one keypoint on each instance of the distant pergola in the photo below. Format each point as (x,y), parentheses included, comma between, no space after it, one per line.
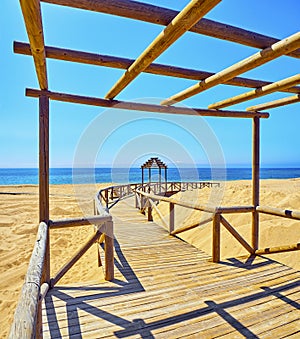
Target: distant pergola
(154,163)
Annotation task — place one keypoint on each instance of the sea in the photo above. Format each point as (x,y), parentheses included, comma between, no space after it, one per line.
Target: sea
(58,176)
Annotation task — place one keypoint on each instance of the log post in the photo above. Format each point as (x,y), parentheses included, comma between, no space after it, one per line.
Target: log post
(109,251)
(149,211)
(44,175)
(216,243)
(255,181)
(106,198)
(172,217)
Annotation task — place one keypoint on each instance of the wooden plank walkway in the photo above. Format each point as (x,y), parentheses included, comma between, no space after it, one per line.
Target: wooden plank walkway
(165,288)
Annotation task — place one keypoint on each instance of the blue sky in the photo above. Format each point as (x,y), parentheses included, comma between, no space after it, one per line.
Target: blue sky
(176,141)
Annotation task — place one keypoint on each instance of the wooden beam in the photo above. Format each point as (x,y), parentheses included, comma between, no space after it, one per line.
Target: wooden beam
(216,239)
(25,319)
(124,63)
(258,92)
(276,50)
(92,220)
(276,103)
(236,235)
(190,227)
(33,21)
(279,212)
(163,16)
(279,249)
(134,106)
(192,13)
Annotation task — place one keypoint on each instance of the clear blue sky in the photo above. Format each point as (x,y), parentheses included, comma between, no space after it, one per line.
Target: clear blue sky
(104,34)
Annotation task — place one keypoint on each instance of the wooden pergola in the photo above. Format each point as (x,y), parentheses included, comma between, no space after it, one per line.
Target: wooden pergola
(176,24)
(152,163)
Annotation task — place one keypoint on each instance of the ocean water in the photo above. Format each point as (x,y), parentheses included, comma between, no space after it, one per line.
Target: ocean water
(21,176)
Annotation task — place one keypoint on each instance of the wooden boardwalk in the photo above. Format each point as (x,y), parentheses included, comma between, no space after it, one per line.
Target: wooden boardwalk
(165,288)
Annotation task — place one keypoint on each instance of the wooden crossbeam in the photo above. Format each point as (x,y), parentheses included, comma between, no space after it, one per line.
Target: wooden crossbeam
(33,21)
(276,103)
(258,92)
(162,16)
(192,13)
(134,106)
(279,212)
(154,68)
(276,50)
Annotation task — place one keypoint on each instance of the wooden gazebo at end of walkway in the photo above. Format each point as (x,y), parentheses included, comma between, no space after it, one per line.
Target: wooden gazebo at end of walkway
(154,163)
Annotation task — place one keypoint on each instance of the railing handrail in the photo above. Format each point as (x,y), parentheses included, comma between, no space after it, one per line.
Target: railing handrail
(25,320)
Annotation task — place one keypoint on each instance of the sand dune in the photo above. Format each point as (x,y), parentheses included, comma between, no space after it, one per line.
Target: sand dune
(19,222)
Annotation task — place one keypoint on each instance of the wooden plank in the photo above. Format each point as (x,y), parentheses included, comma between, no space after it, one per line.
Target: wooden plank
(91,220)
(33,21)
(255,180)
(237,236)
(183,21)
(258,92)
(276,103)
(25,319)
(270,53)
(163,16)
(79,99)
(109,252)
(279,212)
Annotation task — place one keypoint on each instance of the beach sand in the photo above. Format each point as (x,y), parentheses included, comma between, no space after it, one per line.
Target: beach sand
(19,222)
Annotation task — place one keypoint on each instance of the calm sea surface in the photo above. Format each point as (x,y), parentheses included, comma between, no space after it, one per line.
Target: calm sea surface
(21,176)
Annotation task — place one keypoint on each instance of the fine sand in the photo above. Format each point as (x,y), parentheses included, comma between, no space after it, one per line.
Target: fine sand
(19,222)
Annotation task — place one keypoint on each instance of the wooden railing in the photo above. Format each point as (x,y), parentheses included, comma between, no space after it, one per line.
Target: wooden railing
(27,321)
(146,204)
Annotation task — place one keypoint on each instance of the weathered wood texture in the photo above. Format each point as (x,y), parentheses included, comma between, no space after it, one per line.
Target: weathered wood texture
(163,16)
(33,21)
(279,249)
(182,22)
(276,103)
(79,99)
(270,53)
(26,314)
(258,92)
(154,68)
(166,288)
(279,212)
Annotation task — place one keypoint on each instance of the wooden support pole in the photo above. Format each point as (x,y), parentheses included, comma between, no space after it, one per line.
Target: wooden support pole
(276,103)
(106,198)
(33,21)
(154,68)
(75,258)
(149,208)
(216,239)
(109,252)
(44,175)
(172,217)
(237,236)
(79,99)
(163,16)
(255,180)
(258,92)
(276,50)
(183,21)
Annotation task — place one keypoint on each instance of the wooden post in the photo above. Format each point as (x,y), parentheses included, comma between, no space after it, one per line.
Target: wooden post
(149,211)
(172,217)
(216,243)
(106,198)
(44,175)
(255,181)
(109,251)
